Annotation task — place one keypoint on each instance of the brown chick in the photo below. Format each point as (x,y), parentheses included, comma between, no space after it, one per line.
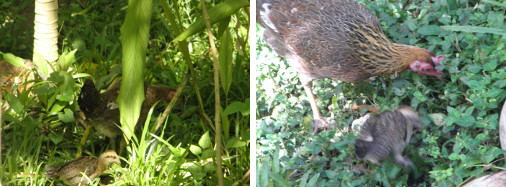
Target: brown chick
(493,180)
(92,167)
(388,131)
(339,39)
(103,110)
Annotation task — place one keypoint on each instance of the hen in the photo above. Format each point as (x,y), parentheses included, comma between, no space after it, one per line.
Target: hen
(339,39)
(72,171)
(102,109)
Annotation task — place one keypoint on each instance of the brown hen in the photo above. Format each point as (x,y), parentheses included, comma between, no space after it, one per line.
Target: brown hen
(339,39)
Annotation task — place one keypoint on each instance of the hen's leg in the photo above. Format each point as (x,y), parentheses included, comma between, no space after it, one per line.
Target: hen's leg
(319,121)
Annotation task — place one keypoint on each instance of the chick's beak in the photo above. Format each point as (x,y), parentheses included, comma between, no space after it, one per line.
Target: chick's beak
(117,161)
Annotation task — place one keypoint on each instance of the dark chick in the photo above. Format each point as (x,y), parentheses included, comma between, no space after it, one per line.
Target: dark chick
(72,171)
(389,131)
(339,39)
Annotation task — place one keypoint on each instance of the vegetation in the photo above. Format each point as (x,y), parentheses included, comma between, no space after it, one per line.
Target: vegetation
(460,113)
(38,121)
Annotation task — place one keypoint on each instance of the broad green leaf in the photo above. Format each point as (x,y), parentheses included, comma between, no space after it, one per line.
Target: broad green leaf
(205,141)
(235,143)
(210,167)
(263,171)
(276,177)
(65,85)
(275,160)
(474,68)
(196,150)
(465,121)
(55,138)
(208,153)
(216,14)
(429,30)
(58,106)
(194,167)
(226,50)
(134,40)
(237,106)
(222,27)
(14,60)
(304,179)
(66,116)
(41,63)
(494,92)
(490,66)
(313,180)
(14,103)
(66,59)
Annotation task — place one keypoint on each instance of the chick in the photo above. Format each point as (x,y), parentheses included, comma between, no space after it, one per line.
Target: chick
(493,180)
(72,172)
(388,131)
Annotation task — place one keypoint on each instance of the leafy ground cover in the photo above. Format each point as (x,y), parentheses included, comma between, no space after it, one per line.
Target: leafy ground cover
(38,126)
(460,113)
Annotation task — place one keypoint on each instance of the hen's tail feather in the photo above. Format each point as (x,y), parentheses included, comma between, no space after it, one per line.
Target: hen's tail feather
(50,170)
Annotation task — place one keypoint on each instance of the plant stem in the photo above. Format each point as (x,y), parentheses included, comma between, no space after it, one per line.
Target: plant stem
(172,103)
(217,120)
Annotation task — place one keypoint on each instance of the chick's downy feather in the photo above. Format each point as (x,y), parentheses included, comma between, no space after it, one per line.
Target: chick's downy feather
(72,171)
(390,131)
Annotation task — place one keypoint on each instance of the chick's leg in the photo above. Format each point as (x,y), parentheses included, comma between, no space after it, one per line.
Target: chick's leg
(405,161)
(319,121)
(81,119)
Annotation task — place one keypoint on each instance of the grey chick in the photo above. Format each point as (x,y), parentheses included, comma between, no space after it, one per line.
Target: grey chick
(72,171)
(493,180)
(388,131)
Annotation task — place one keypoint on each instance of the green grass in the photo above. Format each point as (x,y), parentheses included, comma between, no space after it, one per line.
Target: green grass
(469,97)
(39,127)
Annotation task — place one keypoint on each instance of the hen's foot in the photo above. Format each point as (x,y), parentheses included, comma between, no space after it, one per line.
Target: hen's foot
(320,125)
